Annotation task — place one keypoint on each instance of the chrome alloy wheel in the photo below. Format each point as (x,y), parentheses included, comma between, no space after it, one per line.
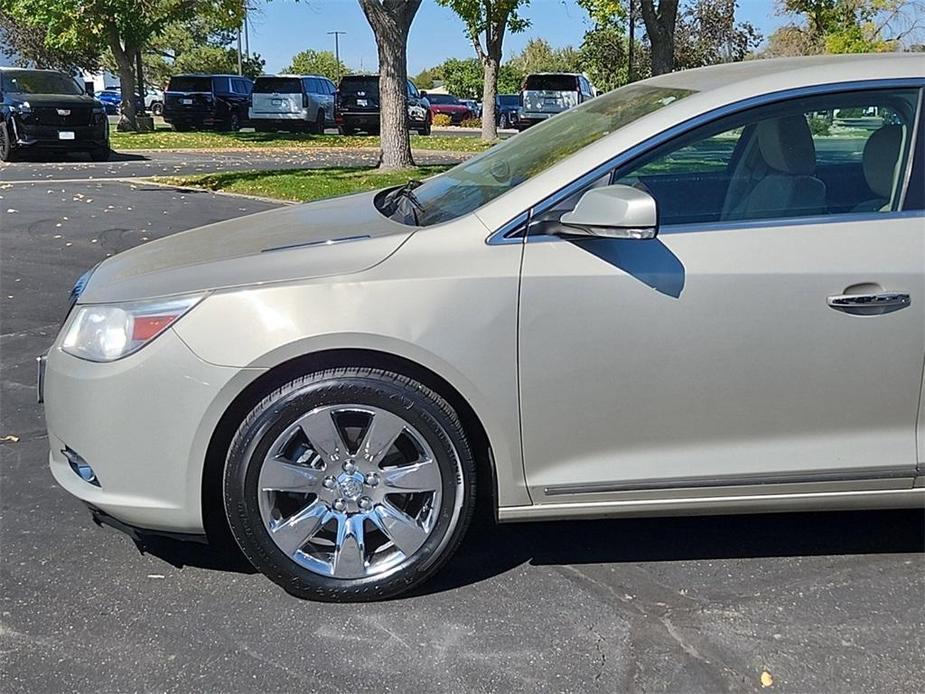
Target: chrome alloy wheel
(350,491)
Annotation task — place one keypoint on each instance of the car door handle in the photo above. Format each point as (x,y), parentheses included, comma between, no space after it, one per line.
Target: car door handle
(882,300)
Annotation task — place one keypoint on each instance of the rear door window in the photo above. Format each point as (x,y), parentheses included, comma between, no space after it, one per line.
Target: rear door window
(353,85)
(190,83)
(277,85)
(551,83)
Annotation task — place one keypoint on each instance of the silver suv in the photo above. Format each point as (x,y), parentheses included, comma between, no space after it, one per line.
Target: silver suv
(292,102)
(545,94)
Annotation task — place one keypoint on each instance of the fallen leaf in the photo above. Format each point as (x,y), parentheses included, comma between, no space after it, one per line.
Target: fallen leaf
(766,679)
(12,438)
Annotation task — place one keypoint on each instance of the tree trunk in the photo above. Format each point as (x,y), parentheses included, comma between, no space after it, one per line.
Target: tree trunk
(390,21)
(489,92)
(660,25)
(125,65)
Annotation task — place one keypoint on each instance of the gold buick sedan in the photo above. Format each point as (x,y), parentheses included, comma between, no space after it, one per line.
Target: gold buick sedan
(700,293)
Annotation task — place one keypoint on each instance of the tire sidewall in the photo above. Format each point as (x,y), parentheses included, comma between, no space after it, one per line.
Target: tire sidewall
(256,436)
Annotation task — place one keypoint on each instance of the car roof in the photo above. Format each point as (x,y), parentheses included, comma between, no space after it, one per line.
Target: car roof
(817,69)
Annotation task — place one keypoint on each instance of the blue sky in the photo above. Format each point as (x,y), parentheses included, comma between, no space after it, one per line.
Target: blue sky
(282,28)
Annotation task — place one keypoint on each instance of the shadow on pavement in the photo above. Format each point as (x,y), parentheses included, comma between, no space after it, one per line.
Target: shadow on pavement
(491,549)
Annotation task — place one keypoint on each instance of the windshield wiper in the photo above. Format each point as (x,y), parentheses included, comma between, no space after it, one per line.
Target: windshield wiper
(405,192)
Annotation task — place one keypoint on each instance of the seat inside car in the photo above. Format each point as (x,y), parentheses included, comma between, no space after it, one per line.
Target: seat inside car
(881,163)
(779,180)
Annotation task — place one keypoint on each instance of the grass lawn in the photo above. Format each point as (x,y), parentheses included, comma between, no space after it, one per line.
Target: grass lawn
(301,185)
(166,138)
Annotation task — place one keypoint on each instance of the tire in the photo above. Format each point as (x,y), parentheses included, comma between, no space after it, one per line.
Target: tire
(318,126)
(407,536)
(101,154)
(157,108)
(504,122)
(181,128)
(234,123)
(346,130)
(425,131)
(8,151)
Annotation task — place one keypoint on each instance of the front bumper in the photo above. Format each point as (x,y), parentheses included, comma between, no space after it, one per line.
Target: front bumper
(81,137)
(143,424)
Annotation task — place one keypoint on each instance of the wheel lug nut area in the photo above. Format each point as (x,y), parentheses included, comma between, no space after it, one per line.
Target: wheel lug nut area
(371,479)
(365,503)
(329,482)
(340,505)
(349,466)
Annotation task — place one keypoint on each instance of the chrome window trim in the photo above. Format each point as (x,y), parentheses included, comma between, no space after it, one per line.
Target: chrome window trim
(498,236)
(789,221)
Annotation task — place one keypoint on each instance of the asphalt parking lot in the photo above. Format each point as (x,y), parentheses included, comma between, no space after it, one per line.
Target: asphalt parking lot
(809,602)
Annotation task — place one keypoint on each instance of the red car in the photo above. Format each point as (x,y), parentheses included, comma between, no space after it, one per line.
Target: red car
(450,106)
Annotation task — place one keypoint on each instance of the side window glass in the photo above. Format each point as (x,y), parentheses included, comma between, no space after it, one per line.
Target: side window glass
(826,155)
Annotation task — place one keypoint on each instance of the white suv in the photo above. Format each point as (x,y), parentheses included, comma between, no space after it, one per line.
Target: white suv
(292,102)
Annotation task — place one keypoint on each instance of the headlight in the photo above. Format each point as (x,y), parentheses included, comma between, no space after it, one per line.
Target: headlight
(21,107)
(107,333)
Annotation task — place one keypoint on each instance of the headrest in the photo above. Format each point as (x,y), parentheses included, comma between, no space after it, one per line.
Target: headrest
(787,145)
(881,156)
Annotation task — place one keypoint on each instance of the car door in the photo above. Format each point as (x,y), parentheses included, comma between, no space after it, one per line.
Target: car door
(738,352)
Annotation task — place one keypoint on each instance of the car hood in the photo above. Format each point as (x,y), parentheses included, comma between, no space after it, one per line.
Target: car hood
(449,107)
(331,237)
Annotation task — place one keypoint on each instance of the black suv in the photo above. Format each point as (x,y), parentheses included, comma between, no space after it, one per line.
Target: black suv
(356,106)
(44,109)
(207,101)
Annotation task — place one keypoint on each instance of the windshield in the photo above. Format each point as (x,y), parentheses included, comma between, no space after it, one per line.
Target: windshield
(40,82)
(443,99)
(480,180)
(551,83)
(277,85)
(352,85)
(190,84)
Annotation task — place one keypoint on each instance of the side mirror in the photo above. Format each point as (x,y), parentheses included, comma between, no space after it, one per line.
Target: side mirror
(424,94)
(613,212)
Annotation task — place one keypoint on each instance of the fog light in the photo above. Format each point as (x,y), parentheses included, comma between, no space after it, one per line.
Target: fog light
(80,467)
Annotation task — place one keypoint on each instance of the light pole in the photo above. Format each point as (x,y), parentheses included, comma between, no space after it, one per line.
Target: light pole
(337,35)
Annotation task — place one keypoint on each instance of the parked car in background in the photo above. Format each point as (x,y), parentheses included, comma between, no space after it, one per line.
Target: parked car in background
(473,106)
(356,106)
(154,101)
(448,105)
(110,98)
(292,102)
(544,94)
(507,107)
(49,110)
(207,101)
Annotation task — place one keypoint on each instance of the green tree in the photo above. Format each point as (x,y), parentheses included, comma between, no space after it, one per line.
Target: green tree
(486,23)
(463,77)
(708,33)
(539,56)
(198,44)
(844,26)
(425,79)
(25,44)
(123,26)
(659,17)
(311,62)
